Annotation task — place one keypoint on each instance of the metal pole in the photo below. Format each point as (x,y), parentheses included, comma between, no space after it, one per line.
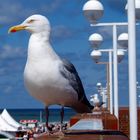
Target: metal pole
(108,89)
(104,97)
(110,81)
(132,70)
(115,71)
(110,51)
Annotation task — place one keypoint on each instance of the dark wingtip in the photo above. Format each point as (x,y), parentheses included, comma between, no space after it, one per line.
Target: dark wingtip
(91,107)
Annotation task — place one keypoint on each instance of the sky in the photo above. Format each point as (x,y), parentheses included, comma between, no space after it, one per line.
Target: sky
(69,38)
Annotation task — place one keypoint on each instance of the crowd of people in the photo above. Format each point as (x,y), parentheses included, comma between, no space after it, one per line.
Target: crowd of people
(53,129)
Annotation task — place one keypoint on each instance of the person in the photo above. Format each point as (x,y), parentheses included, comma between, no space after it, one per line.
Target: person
(25,136)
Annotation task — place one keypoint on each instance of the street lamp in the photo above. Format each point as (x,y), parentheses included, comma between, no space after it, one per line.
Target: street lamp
(95,40)
(114,26)
(123,40)
(96,55)
(132,14)
(120,54)
(93,10)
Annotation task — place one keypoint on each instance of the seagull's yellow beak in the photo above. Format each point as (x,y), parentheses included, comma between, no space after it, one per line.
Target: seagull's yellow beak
(16,28)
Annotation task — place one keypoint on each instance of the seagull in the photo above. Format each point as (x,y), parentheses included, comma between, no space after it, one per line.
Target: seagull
(47,77)
(96,101)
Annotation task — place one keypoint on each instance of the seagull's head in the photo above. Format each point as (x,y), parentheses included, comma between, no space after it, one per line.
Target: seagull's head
(33,24)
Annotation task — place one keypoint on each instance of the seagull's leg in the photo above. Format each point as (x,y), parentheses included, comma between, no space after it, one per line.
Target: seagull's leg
(47,117)
(62,117)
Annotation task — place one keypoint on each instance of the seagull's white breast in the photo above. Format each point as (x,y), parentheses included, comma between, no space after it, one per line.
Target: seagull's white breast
(44,81)
(96,99)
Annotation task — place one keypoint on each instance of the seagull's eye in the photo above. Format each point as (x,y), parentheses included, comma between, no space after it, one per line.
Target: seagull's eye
(31,21)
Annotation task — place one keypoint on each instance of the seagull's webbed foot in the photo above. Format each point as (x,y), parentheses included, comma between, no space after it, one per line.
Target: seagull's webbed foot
(62,118)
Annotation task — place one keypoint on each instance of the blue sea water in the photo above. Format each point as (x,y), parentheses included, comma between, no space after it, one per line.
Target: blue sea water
(39,114)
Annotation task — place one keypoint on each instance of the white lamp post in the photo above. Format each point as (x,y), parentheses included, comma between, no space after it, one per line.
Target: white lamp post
(139,100)
(115,62)
(114,26)
(96,55)
(109,74)
(138,88)
(110,82)
(132,15)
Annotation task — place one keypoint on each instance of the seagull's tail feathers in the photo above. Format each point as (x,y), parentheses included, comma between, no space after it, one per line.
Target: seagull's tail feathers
(82,108)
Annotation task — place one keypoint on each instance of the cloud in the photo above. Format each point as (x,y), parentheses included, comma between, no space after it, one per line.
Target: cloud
(11,68)
(60,32)
(8,13)
(8,89)
(11,59)
(11,73)
(12,12)
(8,52)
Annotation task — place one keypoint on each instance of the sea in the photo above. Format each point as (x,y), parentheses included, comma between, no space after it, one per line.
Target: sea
(39,114)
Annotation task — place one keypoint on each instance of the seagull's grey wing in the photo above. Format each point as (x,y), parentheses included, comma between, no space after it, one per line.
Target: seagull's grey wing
(69,72)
